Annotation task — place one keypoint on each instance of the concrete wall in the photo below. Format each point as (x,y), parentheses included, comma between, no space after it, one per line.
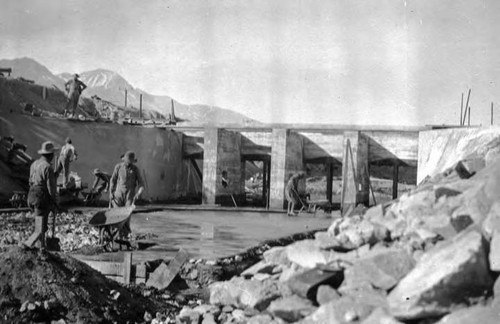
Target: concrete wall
(386,145)
(99,145)
(323,145)
(286,158)
(441,149)
(222,153)
(256,143)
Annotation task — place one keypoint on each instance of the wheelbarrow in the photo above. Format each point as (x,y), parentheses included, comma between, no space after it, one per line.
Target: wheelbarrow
(111,223)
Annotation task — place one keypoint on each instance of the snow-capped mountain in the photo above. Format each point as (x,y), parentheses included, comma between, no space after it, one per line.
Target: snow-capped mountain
(112,87)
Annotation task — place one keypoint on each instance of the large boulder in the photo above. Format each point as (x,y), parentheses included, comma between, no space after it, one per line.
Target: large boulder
(494,255)
(475,314)
(245,293)
(449,274)
(292,308)
(492,221)
(343,310)
(276,255)
(380,316)
(382,268)
(306,253)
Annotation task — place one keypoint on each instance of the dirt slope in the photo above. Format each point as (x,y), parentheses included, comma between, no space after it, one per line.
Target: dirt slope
(62,287)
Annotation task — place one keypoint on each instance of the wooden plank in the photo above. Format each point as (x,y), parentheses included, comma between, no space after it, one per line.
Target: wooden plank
(163,275)
(116,278)
(140,271)
(106,268)
(127,267)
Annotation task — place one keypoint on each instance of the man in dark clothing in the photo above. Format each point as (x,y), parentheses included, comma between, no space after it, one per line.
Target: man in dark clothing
(42,193)
(74,88)
(291,192)
(104,178)
(101,183)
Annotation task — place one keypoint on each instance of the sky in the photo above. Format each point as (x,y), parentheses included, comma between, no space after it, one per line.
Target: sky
(370,62)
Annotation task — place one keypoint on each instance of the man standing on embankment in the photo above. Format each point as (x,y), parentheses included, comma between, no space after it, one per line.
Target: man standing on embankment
(74,88)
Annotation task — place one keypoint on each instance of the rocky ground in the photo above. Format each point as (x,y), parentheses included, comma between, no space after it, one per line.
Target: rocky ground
(431,256)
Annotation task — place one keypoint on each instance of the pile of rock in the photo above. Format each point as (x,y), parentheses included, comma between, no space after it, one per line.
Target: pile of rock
(431,256)
(72,229)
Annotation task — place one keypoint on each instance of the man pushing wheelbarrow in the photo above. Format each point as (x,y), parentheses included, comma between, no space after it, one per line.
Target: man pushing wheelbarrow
(126,186)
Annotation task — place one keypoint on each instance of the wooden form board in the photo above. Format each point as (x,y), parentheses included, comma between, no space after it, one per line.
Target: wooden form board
(124,272)
(163,275)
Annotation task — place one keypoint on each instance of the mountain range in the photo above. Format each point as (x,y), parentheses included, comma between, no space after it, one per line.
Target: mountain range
(111,86)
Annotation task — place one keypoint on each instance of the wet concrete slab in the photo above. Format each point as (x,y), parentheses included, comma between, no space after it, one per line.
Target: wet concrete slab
(211,234)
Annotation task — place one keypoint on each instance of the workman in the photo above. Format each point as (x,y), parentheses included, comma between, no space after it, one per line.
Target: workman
(68,154)
(42,193)
(74,87)
(104,178)
(126,185)
(291,192)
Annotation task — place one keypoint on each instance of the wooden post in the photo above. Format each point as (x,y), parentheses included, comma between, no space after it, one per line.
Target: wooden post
(125,98)
(127,267)
(468,120)
(491,113)
(461,109)
(466,106)
(140,105)
(329,180)
(395,179)
(268,182)
(264,181)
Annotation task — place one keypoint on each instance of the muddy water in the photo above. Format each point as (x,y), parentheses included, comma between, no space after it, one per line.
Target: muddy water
(212,234)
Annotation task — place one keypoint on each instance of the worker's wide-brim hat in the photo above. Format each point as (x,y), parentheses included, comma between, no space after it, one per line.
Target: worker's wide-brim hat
(76,75)
(47,148)
(130,157)
(96,171)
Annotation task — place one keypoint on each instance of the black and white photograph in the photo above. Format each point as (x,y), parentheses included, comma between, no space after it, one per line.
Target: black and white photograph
(250,161)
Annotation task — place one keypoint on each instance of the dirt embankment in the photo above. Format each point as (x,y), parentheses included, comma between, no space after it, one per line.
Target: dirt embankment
(15,94)
(53,287)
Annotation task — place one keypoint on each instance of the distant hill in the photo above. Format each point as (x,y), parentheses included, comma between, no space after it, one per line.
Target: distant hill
(110,86)
(32,70)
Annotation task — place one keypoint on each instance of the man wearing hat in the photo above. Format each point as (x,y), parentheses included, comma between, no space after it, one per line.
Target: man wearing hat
(68,154)
(74,87)
(42,193)
(291,192)
(126,183)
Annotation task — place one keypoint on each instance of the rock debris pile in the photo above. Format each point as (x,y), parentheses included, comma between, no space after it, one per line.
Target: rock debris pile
(432,256)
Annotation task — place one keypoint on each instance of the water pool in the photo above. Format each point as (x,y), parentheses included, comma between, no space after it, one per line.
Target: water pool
(212,234)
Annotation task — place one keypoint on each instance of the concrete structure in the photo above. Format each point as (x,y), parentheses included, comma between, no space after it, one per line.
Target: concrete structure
(285,151)
(182,162)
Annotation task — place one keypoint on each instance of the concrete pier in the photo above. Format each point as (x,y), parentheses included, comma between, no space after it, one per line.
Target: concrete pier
(286,151)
